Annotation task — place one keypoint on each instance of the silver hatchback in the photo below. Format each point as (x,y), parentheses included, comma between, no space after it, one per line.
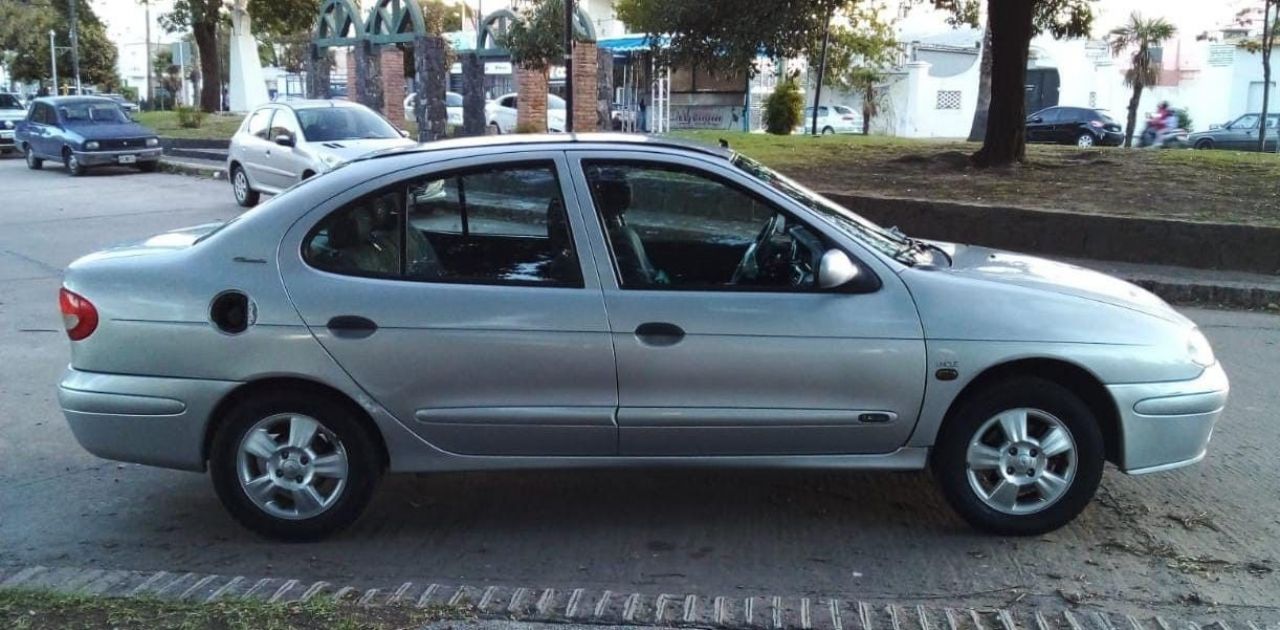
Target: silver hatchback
(281,144)
(599,301)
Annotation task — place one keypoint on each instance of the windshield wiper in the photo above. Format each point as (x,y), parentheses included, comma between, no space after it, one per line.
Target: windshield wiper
(916,245)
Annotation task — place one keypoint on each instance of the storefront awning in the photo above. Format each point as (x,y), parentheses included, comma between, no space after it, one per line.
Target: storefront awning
(631,43)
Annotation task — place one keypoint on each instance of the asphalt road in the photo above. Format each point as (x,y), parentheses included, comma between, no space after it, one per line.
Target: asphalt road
(1210,533)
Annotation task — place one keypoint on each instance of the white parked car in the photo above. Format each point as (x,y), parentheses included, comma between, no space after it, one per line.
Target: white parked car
(281,144)
(502,113)
(452,102)
(833,119)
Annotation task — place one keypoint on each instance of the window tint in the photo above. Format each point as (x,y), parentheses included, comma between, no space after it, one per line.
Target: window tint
(9,101)
(1249,121)
(672,227)
(260,123)
(509,101)
(504,225)
(1050,115)
(452,99)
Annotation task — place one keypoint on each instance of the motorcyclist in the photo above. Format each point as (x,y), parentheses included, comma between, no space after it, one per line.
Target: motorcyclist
(1164,123)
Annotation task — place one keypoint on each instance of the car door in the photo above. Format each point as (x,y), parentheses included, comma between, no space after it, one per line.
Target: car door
(1040,124)
(44,130)
(1242,134)
(286,164)
(710,368)
(488,335)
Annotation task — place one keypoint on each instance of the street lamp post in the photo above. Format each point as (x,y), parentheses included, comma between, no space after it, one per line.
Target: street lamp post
(53,59)
(75,45)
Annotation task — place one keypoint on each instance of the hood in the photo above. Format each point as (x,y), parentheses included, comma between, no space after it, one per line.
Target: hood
(348,150)
(990,265)
(13,114)
(163,242)
(110,131)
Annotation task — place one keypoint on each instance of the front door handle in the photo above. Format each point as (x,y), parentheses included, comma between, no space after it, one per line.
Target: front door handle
(351,327)
(659,334)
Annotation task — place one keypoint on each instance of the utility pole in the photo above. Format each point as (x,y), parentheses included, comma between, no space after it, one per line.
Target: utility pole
(53,60)
(151,94)
(75,44)
(568,66)
(822,73)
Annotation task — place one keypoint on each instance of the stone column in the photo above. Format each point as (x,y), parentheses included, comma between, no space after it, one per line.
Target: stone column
(391,59)
(531,113)
(430,110)
(474,121)
(604,88)
(368,77)
(319,72)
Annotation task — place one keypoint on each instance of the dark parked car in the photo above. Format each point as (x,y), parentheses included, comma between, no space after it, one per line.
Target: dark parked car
(1080,126)
(85,131)
(1240,134)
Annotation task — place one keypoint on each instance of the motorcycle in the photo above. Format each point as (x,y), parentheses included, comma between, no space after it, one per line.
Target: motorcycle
(1153,138)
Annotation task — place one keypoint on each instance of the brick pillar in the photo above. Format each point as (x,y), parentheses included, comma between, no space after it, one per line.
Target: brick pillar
(393,93)
(585,114)
(531,88)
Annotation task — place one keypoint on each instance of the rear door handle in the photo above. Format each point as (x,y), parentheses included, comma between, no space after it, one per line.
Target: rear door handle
(659,334)
(351,327)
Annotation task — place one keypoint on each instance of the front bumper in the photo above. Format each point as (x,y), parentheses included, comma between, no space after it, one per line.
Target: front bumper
(102,158)
(1111,138)
(1168,425)
(141,419)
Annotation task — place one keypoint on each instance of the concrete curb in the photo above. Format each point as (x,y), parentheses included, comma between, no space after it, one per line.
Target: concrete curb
(602,607)
(207,170)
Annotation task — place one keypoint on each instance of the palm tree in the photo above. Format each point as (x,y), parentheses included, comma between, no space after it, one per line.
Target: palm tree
(1141,35)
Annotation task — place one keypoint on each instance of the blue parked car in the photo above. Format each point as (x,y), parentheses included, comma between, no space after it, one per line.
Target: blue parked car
(85,131)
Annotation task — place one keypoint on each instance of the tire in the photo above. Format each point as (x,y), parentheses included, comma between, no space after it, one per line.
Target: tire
(828,131)
(74,167)
(148,167)
(495,129)
(1086,141)
(1072,476)
(335,501)
(245,195)
(1205,145)
(34,163)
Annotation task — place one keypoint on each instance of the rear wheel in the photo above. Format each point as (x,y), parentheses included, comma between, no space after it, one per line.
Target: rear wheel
(291,465)
(1022,457)
(73,163)
(34,163)
(246,196)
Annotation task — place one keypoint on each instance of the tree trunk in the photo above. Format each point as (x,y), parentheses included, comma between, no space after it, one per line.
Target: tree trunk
(979,129)
(868,107)
(1006,139)
(1268,39)
(1134,101)
(206,36)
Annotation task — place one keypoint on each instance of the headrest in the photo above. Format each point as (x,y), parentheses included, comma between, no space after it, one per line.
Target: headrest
(612,192)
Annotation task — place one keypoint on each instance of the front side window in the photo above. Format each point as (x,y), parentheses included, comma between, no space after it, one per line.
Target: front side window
(498,225)
(284,124)
(1246,122)
(677,228)
(259,123)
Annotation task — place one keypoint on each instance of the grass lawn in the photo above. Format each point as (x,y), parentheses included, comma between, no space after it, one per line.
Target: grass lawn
(38,610)
(1221,186)
(217,126)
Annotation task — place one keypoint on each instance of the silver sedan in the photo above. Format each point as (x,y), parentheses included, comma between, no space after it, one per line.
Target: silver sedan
(603,301)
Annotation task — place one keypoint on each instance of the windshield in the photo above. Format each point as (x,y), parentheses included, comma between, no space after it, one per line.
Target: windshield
(9,101)
(554,102)
(452,99)
(329,124)
(888,242)
(93,112)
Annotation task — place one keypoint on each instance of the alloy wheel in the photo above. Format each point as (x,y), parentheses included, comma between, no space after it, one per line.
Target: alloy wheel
(291,466)
(241,185)
(1021,461)
(1085,141)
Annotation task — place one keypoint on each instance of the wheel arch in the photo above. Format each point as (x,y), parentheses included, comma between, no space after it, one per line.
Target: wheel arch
(1072,376)
(247,390)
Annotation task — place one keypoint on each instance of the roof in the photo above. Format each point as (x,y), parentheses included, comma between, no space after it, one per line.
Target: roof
(314,103)
(68,100)
(623,140)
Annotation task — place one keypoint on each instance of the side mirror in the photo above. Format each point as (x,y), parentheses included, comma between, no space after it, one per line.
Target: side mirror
(286,140)
(836,270)
(1215,127)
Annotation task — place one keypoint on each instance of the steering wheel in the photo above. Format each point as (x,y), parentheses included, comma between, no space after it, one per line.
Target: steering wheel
(749,266)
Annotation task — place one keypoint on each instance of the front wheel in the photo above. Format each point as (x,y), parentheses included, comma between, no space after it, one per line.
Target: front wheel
(293,465)
(246,196)
(1022,457)
(1205,145)
(1086,141)
(73,163)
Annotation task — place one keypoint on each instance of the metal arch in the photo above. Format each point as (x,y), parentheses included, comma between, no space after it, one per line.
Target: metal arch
(492,31)
(338,23)
(394,22)
(496,25)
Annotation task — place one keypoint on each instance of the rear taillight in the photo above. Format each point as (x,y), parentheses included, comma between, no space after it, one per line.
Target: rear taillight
(78,315)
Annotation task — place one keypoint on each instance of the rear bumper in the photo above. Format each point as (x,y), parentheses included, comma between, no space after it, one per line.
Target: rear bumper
(1168,425)
(6,138)
(141,419)
(102,158)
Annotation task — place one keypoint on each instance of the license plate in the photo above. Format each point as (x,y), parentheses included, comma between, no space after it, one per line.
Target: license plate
(128,159)
(6,134)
